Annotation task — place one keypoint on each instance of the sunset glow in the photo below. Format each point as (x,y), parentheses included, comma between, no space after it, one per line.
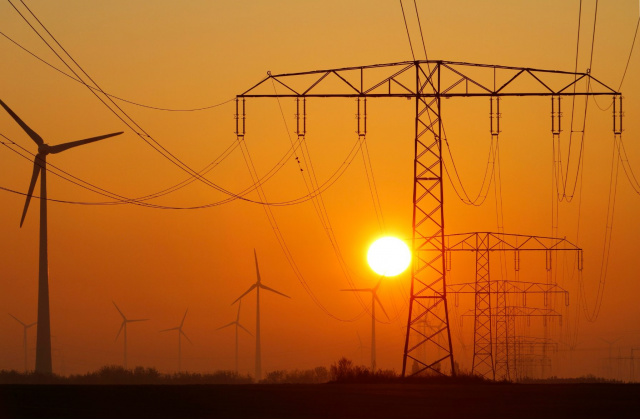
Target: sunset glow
(389,256)
(495,174)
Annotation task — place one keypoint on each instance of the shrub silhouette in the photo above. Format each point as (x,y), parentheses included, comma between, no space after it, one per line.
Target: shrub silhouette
(345,371)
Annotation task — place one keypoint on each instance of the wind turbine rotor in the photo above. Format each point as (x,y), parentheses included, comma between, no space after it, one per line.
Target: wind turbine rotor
(34,136)
(19,321)
(184,317)
(38,165)
(245,293)
(168,330)
(65,146)
(272,290)
(375,297)
(120,330)
(185,335)
(245,329)
(255,255)
(119,311)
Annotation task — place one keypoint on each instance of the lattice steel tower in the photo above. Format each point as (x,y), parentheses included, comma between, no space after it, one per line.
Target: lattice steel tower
(427,82)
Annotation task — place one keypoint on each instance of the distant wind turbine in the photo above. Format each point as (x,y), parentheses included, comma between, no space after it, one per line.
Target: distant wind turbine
(123,326)
(43,337)
(238,326)
(374,298)
(180,334)
(257,287)
(24,338)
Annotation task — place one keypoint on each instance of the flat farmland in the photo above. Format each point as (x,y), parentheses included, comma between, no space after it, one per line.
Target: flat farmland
(332,400)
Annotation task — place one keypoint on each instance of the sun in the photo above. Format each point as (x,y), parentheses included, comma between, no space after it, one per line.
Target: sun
(389,256)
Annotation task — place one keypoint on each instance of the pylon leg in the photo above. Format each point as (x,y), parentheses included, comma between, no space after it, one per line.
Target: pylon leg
(428,301)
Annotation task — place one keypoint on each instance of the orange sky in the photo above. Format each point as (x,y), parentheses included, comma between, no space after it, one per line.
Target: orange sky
(155,263)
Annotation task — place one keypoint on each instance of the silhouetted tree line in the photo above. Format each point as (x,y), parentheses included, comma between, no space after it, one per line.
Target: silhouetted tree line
(342,371)
(118,375)
(345,371)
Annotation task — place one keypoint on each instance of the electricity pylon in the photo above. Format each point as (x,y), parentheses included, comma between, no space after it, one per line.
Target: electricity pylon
(427,82)
(493,353)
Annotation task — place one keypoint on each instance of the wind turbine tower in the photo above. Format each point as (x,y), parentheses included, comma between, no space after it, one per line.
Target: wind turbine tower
(238,326)
(43,337)
(374,298)
(24,338)
(123,326)
(180,334)
(257,286)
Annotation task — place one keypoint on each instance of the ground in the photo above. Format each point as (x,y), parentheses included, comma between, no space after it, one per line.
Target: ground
(398,400)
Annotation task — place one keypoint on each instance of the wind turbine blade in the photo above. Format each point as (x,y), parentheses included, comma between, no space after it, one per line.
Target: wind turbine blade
(375,297)
(245,329)
(18,320)
(31,325)
(34,177)
(255,255)
(34,136)
(119,311)
(238,315)
(184,317)
(245,293)
(138,320)
(120,330)
(62,147)
(185,335)
(168,330)
(226,325)
(377,285)
(272,290)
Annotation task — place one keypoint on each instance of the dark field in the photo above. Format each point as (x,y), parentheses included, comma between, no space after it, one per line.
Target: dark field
(322,401)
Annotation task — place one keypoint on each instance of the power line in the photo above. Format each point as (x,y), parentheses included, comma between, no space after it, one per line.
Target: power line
(424,47)
(144,135)
(480,197)
(330,181)
(318,201)
(407,28)
(109,94)
(276,230)
(630,53)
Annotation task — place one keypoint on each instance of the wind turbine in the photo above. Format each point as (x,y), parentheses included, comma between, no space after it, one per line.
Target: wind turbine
(374,298)
(24,338)
(43,337)
(180,334)
(124,326)
(257,287)
(238,326)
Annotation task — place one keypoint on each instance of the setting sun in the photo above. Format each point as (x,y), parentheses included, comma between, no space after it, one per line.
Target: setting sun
(389,256)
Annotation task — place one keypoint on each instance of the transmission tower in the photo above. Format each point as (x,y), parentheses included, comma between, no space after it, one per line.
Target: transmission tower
(426,82)
(531,352)
(494,350)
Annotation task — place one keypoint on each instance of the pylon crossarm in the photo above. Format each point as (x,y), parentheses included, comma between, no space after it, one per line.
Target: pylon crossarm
(397,82)
(515,287)
(519,312)
(508,242)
